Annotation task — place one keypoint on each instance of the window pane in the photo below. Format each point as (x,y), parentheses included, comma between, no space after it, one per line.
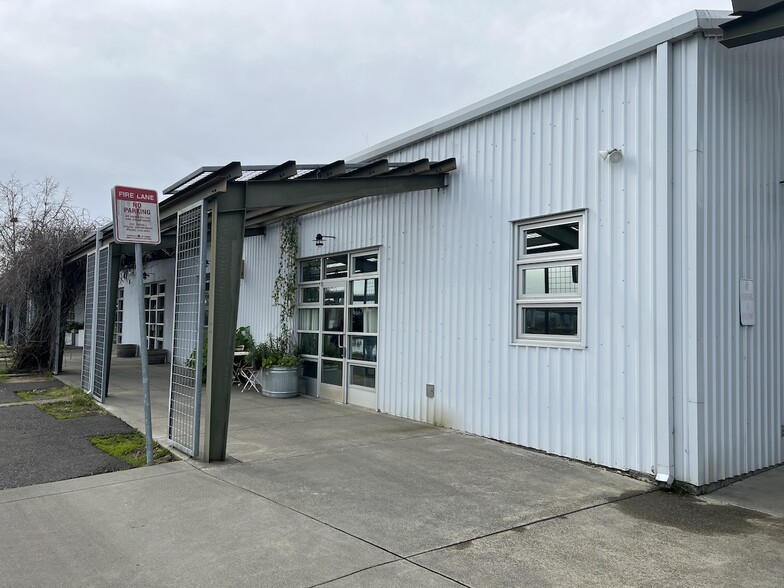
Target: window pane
(363,376)
(308,319)
(549,321)
(309,295)
(310,270)
(364,348)
(309,369)
(309,343)
(335,266)
(333,346)
(364,320)
(334,295)
(332,372)
(333,319)
(562,279)
(552,238)
(365,264)
(364,291)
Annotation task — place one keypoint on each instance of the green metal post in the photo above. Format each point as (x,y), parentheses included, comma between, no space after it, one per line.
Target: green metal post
(228,228)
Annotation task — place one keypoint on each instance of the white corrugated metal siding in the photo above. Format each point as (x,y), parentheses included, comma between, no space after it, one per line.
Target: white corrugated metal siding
(446,307)
(733,125)
(260,258)
(446,312)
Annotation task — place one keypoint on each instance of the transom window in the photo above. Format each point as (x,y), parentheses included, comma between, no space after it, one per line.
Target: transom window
(548,279)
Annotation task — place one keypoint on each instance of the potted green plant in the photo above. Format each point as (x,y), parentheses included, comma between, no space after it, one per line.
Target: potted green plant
(277,358)
(277,363)
(243,340)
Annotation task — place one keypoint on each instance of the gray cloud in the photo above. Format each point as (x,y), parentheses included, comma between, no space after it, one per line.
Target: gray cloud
(140,92)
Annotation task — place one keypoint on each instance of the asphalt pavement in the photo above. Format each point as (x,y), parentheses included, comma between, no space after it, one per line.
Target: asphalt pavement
(39,448)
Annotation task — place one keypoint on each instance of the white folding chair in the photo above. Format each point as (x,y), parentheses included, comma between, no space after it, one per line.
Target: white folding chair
(249,375)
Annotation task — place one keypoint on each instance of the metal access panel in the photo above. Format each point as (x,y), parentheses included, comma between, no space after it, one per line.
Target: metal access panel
(187,363)
(89,325)
(101,316)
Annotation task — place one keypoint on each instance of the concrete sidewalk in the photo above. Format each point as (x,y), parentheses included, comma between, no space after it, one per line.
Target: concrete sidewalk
(329,495)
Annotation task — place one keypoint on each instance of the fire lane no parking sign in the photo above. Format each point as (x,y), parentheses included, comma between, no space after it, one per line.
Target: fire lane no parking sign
(136,218)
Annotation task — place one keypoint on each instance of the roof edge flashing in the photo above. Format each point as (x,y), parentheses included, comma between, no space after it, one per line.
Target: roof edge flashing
(677,28)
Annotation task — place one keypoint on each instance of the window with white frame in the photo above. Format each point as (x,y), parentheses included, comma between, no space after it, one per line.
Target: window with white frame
(154,305)
(548,279)
(118,316)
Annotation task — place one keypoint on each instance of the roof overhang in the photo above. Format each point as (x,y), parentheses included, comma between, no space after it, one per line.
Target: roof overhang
(273,192)
(758,20)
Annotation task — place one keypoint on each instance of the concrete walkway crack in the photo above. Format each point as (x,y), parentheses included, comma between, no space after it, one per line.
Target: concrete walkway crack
(536,522)
(397,556)
(409,558)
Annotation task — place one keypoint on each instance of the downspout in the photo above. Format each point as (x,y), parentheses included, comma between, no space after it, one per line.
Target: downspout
(663,359)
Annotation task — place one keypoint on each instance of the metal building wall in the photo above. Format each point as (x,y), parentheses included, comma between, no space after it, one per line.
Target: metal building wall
(261,256)
(732,126)
(446,312)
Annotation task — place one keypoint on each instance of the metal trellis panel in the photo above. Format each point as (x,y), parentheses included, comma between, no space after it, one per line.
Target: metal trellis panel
(188,333)
(101,316)
(89,325)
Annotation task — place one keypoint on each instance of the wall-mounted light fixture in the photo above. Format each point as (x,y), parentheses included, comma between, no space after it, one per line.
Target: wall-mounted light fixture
(319,240)
(614,155)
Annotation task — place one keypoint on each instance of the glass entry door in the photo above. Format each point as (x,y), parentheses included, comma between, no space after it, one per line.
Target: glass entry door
(333,341)
(338,327)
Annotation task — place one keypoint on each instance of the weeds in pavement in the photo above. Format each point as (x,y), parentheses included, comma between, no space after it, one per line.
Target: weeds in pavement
(131,448)
(49,393)
(79,405)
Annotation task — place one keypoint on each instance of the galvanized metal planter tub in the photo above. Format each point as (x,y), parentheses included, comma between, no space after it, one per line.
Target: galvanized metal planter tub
(279,382)
(125,349)
(156,356)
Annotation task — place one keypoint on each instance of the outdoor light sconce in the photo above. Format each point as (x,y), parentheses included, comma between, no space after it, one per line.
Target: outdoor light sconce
(614,155)
(319,240)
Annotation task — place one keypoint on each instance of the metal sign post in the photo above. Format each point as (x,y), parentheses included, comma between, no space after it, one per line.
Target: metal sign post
(136,220)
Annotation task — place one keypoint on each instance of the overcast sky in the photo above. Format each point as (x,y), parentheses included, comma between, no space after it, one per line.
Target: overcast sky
(136,92)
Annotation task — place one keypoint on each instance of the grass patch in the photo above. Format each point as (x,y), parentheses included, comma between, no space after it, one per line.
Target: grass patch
(49,393)
(131,448)
(79,405)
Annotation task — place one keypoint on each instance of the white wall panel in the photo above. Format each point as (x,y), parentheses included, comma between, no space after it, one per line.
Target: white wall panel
(446,312)
(740,235)
(260,255)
